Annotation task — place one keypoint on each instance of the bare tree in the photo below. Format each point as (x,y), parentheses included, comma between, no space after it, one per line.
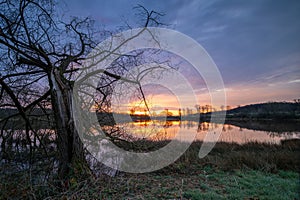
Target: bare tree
(222,107)
(198,108)
(40,55)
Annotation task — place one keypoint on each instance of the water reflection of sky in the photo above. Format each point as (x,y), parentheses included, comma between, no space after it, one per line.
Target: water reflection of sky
(162,130)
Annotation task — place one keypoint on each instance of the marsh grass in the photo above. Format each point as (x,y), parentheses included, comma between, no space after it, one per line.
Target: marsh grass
(230,171)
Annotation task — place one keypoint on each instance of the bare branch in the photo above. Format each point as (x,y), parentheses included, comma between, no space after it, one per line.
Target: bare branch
(21,74)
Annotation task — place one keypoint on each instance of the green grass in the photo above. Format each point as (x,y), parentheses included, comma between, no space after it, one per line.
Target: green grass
(209,184)
(247,185)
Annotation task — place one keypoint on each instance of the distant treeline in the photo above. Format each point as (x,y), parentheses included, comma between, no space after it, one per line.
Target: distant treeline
(6,112)
(271,110)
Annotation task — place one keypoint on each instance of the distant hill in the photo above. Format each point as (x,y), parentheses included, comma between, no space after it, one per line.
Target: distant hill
(278,110)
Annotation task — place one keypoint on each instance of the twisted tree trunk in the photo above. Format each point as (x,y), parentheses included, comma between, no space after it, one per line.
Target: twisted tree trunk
(70,146)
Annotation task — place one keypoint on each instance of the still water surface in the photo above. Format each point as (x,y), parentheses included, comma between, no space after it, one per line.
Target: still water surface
(165,130)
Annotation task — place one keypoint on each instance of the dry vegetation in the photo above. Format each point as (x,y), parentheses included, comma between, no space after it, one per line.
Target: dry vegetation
(230,171)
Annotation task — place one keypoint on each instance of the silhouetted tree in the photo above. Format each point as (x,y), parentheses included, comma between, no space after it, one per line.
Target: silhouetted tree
(198,108)
(297,100)
(222,107)
(40,56)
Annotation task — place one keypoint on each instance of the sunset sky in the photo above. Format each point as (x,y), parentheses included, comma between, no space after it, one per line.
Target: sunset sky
(255,44)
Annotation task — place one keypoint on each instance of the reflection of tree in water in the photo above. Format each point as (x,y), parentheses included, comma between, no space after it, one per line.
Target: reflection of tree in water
(282,134)
(189,124)
(165,130)
(216,125)
(227,127)
(168,124)
(199,127)
(145,130)
(224,128)
(204,126)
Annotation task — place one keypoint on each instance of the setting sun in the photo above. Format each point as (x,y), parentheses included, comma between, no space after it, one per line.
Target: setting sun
(139,113)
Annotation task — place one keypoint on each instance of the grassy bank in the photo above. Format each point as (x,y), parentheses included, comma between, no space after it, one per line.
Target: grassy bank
(230,171)
(207,183)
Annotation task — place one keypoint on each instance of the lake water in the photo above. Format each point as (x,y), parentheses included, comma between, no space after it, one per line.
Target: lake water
(236,131)
(159,130)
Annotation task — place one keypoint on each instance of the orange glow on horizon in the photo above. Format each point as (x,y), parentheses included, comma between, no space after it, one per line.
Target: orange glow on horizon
(158,112)
(158,104)
(236,96)
(140,113)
